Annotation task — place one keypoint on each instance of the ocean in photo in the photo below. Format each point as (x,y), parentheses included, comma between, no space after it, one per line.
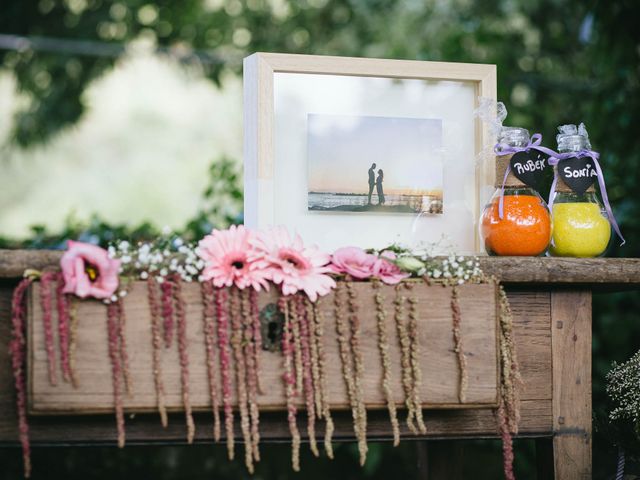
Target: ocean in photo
(353,202)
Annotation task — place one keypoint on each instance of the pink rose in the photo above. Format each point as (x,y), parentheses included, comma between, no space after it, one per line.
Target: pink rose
(353,261)
(88,271)
(388,271)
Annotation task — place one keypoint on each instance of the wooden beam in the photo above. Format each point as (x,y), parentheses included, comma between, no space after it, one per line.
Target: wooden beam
(613,272)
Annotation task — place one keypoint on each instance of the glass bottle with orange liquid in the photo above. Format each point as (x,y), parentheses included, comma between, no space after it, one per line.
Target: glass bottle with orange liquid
(516,221)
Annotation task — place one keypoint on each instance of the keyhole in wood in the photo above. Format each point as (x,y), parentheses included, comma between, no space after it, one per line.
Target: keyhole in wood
(271,324)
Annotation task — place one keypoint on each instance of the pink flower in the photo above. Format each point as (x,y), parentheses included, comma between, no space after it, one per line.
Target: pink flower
(388,271)
(88,271)
(292,265)
(353,261)
(231,260)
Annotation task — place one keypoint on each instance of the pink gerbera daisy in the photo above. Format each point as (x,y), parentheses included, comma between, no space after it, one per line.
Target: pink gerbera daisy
(230,259)
(292,265)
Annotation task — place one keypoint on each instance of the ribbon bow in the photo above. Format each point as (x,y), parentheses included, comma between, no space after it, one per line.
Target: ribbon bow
(505,149)
(558,157)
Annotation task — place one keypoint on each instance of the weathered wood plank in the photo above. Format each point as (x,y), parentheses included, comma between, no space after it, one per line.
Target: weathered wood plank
(100,429)
(514,270)
(567,271)
(440,371)
(571,344)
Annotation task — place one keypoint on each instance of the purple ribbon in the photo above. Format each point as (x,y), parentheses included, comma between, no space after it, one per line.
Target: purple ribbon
(558,157)
(505,149)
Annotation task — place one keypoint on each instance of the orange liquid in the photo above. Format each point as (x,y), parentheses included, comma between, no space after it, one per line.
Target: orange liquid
(524,230)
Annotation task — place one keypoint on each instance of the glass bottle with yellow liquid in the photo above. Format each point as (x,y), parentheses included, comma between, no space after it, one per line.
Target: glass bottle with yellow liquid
(581,226)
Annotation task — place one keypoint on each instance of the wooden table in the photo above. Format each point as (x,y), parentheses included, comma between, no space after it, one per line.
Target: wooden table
(551,303)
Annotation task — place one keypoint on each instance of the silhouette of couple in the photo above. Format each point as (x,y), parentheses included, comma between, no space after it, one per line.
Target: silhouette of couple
(377,182)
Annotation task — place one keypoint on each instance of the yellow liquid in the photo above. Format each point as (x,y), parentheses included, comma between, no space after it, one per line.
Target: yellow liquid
(579,230)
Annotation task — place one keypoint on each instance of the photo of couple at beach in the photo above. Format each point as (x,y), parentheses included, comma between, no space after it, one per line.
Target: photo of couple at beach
(374,164)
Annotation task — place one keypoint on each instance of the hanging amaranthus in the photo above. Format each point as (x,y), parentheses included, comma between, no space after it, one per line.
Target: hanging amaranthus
(17,351)
(415,358)
(315,362)
(116,368)
(383,345)
(46,281)
(297,347)
(184,355)
(221,299)
(166,288)
(405,358)
(62,304)
(356,354)
(124,355)
(510,381)
(208,318)
(241,373)
(156,342)
(305,341)
(346,356)
(458,345)
(318,328)
(249,349)
(507,443)
(289,382)
(73,338)
(257,334)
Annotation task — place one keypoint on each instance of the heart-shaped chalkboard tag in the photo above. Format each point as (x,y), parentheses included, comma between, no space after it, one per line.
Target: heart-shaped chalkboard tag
(578,173)
(529,167)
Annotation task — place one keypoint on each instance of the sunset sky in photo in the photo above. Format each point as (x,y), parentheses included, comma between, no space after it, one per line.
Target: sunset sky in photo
(341,148)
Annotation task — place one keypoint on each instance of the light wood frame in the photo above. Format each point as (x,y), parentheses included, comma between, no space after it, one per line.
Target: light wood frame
(259,114)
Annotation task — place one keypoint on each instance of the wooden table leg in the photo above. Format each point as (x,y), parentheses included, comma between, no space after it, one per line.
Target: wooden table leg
(571,348)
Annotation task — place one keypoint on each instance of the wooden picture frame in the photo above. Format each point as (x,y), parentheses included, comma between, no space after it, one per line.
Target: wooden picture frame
(269,201)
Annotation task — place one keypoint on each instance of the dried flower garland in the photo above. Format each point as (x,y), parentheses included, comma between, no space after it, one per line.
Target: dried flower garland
(167,311)
(122,340)
(322,370)
(221,299)
(208,317)
(156,342)
(184,355)
(231,319)
(458,346)
(383,346)
(309,391)
(347,355)
(17,351)
(257,335)
(414,348)
(46,282)
(73,339)
(289,382)
(116,368)
(405,358)
(62,305)
(354,321)
(249,350)
(241,374)
(510,382)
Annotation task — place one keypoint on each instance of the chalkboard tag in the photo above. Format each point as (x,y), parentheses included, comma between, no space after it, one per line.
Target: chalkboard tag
(529,167)
(578,173)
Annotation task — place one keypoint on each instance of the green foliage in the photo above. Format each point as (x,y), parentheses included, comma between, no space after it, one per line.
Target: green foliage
(221,207)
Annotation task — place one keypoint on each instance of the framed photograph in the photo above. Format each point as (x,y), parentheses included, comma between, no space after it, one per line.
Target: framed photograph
(366,152)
